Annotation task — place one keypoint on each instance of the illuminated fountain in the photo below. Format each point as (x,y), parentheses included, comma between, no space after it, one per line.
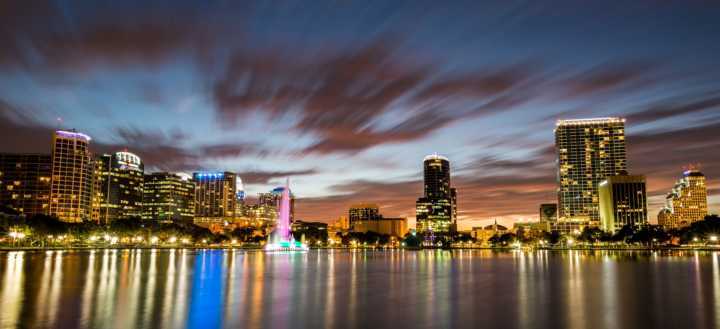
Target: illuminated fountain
(281,239)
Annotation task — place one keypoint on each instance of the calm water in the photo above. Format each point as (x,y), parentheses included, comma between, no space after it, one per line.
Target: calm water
(344,289)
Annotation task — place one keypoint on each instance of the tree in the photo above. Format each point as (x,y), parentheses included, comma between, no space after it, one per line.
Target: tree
(411,241)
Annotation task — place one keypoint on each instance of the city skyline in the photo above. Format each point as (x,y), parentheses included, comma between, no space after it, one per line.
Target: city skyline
(176,102)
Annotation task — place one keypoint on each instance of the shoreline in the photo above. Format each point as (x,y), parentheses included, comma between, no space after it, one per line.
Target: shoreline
(255,248)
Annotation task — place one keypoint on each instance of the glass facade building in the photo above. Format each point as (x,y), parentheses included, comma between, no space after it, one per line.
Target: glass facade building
(588,150)
(436,211)
(168,198)
(25,182)
(215,196)
(119,191)
(623,201)
(72,178)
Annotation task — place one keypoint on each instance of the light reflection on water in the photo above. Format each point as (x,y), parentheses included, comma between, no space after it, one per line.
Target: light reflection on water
(356,289)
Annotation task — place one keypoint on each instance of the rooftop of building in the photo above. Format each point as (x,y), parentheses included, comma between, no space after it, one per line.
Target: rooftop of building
(72,134)
(364,206)
(579,122)
(435,156)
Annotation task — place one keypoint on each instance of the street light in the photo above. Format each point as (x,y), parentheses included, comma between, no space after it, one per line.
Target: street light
(713,238)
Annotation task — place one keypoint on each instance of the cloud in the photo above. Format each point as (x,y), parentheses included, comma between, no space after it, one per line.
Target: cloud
(609,76)
(354,100)
(675,107)
(264,177)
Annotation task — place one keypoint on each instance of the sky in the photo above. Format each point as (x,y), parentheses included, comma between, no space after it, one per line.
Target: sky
(346,97)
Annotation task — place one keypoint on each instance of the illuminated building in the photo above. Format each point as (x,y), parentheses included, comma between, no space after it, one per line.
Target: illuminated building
(622,201)
(588,151)
(531,230)
(363,212)
(25,182)
(340,224)
(483,234)
(215,196)
(271,200)
(388,226)
(569,226)
(548,212)
(686,203)
(434,211)
(72,176)
(168,198)
(119,190)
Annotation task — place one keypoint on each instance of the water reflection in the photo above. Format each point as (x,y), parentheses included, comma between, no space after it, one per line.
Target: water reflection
(330,289)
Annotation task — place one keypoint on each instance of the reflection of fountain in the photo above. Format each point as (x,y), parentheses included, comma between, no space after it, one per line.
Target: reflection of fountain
(281,239)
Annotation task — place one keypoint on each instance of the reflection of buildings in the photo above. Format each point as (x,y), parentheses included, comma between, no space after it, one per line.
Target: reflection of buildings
(72,176)
(686,203)
(435,211)
(588,151)
(622,202)
(25,182)
(215,196)
(169,198)
(548,212)
(119,189)
(366,217)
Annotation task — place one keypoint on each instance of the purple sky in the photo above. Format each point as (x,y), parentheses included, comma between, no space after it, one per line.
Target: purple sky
(346,98)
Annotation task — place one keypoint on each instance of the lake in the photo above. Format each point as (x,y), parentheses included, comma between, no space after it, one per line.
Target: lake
(359,289)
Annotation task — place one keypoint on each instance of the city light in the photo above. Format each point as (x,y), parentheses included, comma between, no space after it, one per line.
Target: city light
(172,239)
(713,238)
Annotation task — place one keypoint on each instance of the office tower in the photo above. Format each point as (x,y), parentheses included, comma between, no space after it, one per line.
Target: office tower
(168,198)
(362,212)
(686,203)
(25,182)
(623,201)
(72,176)
(239,198)
(548,212)
(215,196)
(119,184)
(436,177)
(434,211)
(588,151)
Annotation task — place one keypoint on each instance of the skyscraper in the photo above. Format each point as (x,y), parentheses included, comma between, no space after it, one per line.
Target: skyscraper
(686,203)
(434,211)
(169,198)
(72,176)
(25,182)
(588,151)
(119,190)
(215,196)
(622,201)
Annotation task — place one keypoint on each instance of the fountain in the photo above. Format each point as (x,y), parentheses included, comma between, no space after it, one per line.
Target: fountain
(281,239)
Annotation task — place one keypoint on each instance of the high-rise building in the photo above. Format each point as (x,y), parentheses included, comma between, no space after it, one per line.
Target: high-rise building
(363,212)
(623,201)
(588,151)
(72,176)
(25,182)
(436,173)
(119,191)
(434,212)
(215,196)
(548,212)
(168,198)
(686,203)
(271,200)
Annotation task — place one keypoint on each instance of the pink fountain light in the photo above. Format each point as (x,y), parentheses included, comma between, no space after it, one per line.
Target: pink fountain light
(281,239)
